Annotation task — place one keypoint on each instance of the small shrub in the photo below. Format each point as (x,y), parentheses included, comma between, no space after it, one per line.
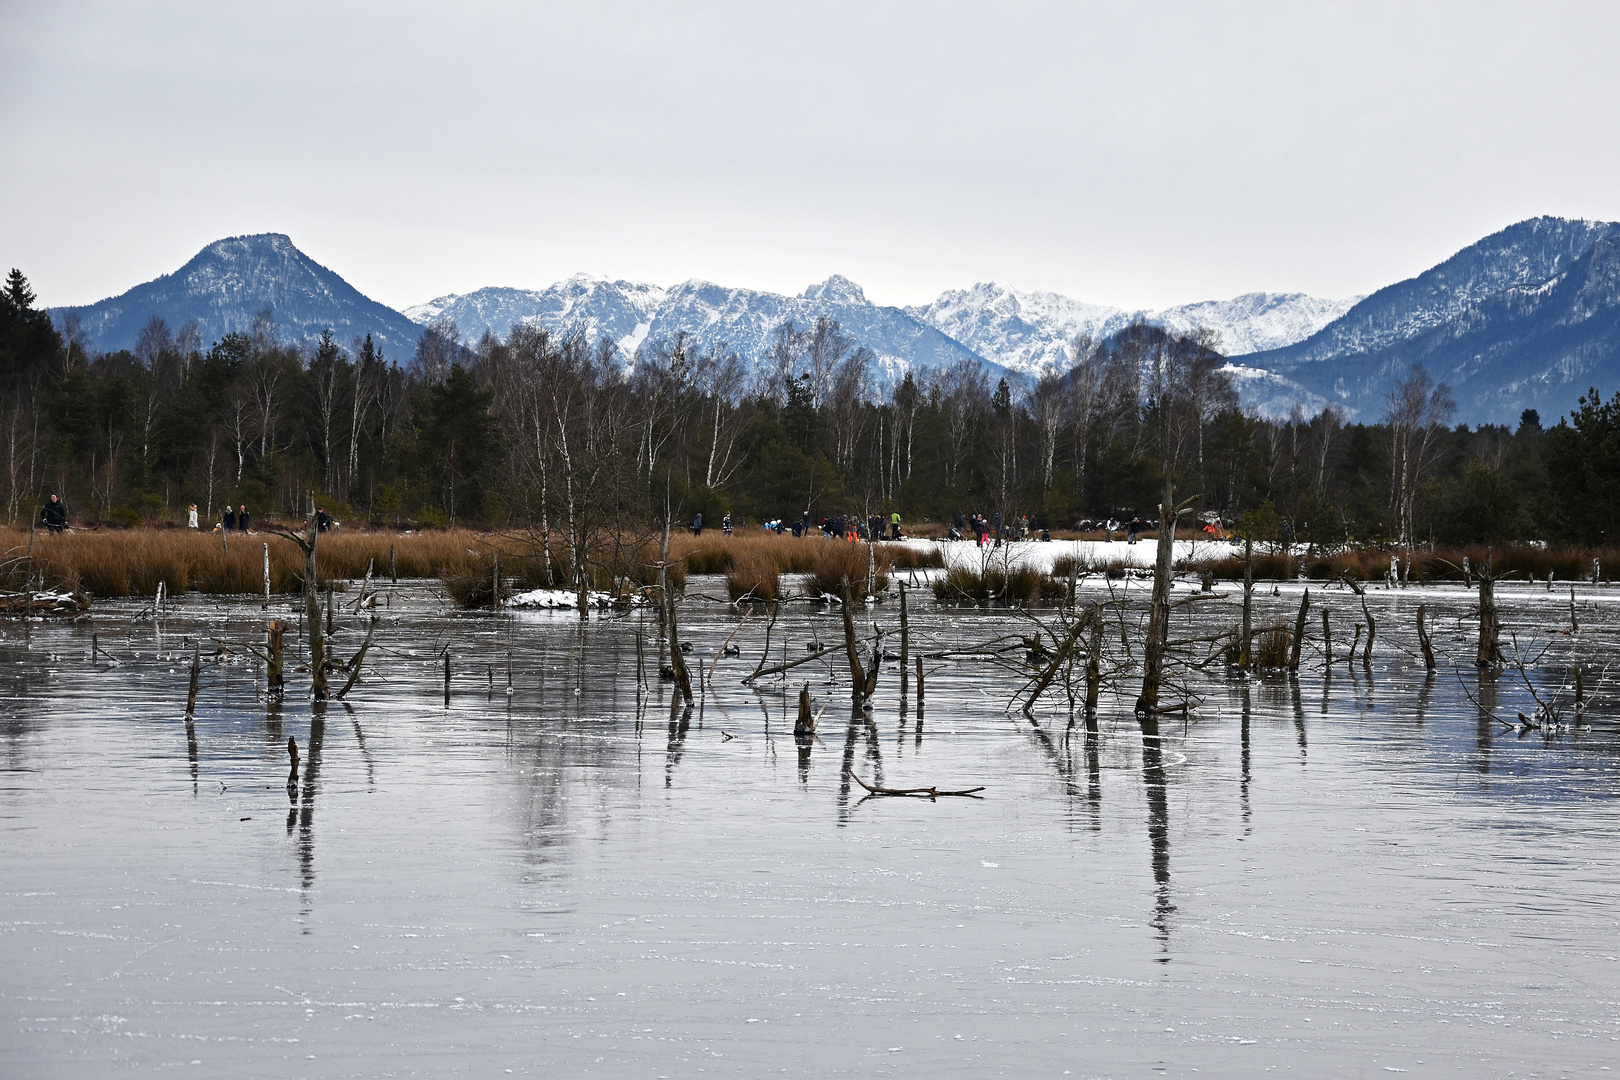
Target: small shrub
(837,562)
(755,577)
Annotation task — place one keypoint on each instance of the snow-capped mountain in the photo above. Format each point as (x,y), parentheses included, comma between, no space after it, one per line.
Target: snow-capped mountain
(1254,321)
(229,282)
(1031,331)
(743,320)
(1525,318)
(1024,331)
(623,310)
(1528,317)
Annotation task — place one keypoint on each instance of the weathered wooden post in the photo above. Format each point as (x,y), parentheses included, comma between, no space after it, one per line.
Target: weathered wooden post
(905,643)
(1574,622)
(447,676)
(1158,630)
(330,586)
(1327,641)
(276,685)
(1299,631)
(1490,646)
(919,688)
(805,724)
(312,609)
(267,577)
(495,583)
(677,662)
(191,695)
(1094,667)
(1248,601)
(392,575)
(292,773)
(863,683)
(1423,637)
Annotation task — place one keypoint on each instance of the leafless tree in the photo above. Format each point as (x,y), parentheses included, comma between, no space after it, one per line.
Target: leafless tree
(1416,411)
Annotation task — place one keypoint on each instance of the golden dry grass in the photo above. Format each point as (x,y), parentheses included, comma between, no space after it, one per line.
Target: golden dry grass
(131,562)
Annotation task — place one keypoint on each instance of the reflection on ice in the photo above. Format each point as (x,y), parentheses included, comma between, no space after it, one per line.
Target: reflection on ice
(500,871)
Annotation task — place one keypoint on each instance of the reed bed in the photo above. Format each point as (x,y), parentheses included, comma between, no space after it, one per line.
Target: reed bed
(1015,586)
(1521,561)
(1267,567)
(837,562)
(1271,645)
(131,562)
(754,577)
(716,553)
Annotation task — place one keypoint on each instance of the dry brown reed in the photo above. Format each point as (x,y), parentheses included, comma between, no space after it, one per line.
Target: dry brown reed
(1267,567)
(753,576)
(1271,645)
(1019,585)
(1524,561)
(131,562)
(837,562)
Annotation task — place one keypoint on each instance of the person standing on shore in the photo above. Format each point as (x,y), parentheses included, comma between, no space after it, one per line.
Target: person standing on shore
(54,515)
(894,525)
(242,518)
(191,516)
(229,521)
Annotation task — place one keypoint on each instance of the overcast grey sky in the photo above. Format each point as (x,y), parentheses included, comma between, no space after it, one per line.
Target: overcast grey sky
(1138,155)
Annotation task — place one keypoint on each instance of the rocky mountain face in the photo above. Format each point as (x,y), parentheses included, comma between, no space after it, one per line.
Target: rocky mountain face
(1031,331)
(229,282)
(623,310)
(1522,319)
(1538,345)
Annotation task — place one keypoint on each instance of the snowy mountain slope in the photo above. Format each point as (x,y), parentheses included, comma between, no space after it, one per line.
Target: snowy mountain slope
(623,310)
(743,319)
(230,281)
(1265,393)
(746,319)
(1537,346)
(1254,321)
(1024,331)
(1527,253)
(1030,331)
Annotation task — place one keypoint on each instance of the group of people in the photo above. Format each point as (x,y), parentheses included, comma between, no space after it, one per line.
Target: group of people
(236,520)
(53,515)
(843,528)
(854,529)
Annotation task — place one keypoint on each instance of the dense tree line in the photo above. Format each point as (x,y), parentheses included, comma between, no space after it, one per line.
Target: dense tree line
(569,436)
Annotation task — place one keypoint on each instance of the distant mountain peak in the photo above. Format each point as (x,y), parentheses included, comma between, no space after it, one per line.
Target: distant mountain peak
(231,280)
(837,289)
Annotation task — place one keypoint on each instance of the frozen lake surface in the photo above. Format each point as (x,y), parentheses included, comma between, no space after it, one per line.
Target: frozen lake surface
(1347,876)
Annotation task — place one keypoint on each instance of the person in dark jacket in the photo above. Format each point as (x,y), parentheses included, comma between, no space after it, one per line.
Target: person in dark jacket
(697,524)
(1134,530)
(242,518)
(230,519)
(323,520)
(54,515)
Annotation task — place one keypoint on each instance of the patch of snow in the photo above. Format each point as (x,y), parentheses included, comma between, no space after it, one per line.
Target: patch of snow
(552,599)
